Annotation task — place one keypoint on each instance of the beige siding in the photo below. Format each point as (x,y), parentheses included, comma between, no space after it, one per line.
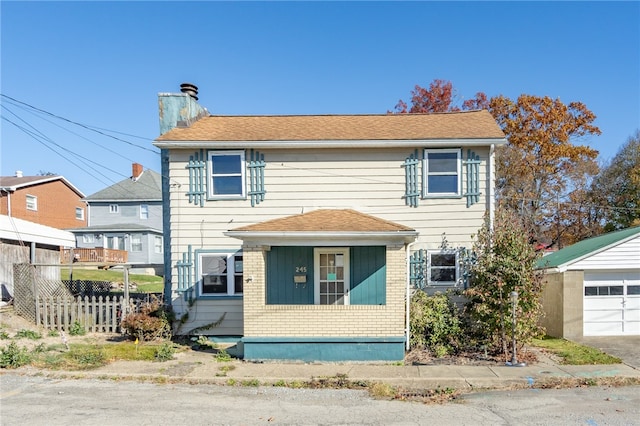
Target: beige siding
(298,181)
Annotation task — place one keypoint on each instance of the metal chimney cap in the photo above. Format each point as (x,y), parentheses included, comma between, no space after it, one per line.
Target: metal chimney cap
(18,173)
(190,89)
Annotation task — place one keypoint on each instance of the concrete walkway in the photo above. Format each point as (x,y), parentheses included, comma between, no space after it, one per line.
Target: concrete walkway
(202,367)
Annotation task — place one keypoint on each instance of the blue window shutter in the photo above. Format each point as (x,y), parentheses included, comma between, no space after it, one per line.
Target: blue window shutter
(256,177)
(197,178)
(185,273)
(412,185)
(472,164)
(418,269)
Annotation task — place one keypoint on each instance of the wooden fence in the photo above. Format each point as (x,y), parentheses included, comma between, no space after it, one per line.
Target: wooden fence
(95,314)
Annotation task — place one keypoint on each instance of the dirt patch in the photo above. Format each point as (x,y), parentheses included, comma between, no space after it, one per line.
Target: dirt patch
(12,324)
(425,357)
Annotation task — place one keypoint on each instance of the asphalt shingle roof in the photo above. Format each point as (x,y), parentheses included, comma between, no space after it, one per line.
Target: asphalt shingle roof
(327,221)
(451,125)
(586,247)
(148,187)
(26,181)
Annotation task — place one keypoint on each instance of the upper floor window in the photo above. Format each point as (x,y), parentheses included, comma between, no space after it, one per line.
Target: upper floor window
(227,174)
(441,172)
(144,211)
(79,213)
(32,202)
(220,274)
(113,208)
(443,267)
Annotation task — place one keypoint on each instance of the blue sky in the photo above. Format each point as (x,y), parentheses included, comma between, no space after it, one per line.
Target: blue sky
(102,64)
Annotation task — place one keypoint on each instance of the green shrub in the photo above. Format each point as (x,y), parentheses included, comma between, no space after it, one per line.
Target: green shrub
(14,356)
(435,323)
(28,334)
(222,356)
(165,352)
(77,329)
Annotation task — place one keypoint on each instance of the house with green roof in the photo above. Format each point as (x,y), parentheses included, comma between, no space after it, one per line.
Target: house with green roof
(126,219)
(592,288)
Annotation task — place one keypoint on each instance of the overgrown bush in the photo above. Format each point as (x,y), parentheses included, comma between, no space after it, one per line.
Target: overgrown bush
(77,329)
(14,356)
(164,352)
(506,263)
(435,324)
(151,323)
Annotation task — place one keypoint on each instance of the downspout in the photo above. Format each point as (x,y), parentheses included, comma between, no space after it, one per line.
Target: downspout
(491,186)
(408,296)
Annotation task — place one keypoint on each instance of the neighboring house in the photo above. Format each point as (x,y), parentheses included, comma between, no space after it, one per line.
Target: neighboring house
(125,223)
(22,241)
(48,200)
(299,233)
(592,288)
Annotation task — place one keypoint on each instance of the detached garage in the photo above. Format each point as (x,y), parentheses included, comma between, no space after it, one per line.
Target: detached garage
(592,288)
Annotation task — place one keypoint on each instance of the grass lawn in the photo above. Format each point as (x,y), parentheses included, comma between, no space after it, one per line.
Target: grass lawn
(145,283)
(574,353)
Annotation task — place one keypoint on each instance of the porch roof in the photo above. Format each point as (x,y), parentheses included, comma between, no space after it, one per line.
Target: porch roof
(326,224)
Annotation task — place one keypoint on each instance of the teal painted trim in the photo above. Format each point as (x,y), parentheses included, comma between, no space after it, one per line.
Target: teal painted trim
(184,268)
(166,224)
(197,178)
(282,264)
(222,297)
(412,185)
(473,178)
(256,177)
(336,349)
(418,269)
(368,275)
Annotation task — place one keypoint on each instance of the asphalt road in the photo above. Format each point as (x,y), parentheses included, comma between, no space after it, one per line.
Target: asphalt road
(30,400)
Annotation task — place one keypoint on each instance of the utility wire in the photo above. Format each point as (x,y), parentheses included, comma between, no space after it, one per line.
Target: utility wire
(93,129)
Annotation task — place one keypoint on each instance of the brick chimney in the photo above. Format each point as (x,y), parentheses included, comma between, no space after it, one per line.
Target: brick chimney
(136,171)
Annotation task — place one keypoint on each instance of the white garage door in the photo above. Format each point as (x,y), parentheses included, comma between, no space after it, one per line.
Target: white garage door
(611,303)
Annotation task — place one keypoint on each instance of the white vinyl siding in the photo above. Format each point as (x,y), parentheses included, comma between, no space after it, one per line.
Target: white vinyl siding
(613,258)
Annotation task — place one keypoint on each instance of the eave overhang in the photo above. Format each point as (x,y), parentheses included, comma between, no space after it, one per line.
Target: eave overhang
(292,238)
(319,144)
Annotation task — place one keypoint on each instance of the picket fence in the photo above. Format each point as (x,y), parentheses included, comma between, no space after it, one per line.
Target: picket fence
(96,314)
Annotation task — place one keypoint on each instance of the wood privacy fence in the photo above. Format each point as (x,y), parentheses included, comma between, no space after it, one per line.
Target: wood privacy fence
(94,314)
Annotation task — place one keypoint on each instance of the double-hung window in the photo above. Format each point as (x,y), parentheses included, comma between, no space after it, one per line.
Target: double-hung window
(226,174)
(144,211)
(136,242)
(443,267)
(79,213)
(113,208)
(32,202)
(442,174)
(220,274)
(157,244)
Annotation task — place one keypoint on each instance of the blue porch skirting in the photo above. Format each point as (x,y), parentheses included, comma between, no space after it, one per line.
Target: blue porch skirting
(324,348)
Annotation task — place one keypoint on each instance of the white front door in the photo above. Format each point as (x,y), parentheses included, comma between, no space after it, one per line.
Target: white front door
(331,281)
(611,303)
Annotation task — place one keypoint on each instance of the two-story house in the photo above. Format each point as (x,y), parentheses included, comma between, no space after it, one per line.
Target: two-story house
(125,224)
(299,233)
(46,200)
